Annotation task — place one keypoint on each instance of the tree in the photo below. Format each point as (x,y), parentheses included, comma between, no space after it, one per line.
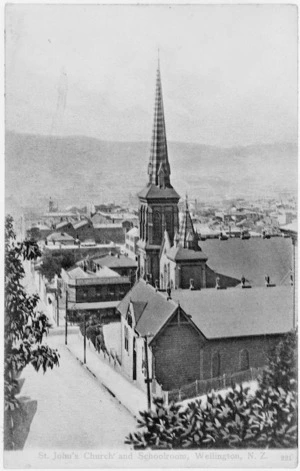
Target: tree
(34,234)
(281,370)
(25,327)
(51,265)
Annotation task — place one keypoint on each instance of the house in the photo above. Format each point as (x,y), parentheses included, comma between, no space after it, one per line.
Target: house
(84,230)
(66,227)
(96,292)
(109,232)
(60,238)
(131,239)
(198,335)
(121,264)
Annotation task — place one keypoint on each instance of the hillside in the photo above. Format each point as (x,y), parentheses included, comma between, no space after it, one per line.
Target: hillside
(81,170)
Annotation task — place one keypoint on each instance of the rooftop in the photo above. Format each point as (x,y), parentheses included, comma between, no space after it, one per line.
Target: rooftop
(156,312)
(254,258)
(180,254)
(59,236)
(238,312)
(155,192)
(230,313)
(113,261)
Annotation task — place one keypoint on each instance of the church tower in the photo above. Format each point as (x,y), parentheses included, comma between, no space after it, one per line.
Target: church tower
(158,210)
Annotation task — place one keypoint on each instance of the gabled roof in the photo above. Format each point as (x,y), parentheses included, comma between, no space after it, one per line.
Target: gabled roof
(138,309)
(238,312)
(113,261)
(62,224)
(60,236)
(156,312)
(80,223)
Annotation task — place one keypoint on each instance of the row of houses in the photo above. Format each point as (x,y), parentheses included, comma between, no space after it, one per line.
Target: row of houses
(85,230)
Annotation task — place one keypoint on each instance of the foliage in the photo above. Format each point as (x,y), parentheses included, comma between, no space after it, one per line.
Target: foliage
(34,234)
(281,370)
(267,419)
(24,327)
(51,265)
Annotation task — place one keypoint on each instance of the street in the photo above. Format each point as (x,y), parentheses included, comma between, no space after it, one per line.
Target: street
(74,411)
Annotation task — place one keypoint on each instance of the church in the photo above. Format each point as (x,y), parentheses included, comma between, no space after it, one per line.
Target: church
(188,332)
(169,254)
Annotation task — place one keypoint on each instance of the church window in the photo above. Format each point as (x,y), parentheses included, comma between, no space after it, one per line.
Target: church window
(126,340)
(215,365)
(157,228)
(244,360)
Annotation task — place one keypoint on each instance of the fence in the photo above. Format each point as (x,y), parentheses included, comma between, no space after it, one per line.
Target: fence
(200,387)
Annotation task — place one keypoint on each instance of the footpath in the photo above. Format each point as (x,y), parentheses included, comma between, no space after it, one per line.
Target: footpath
(133,398)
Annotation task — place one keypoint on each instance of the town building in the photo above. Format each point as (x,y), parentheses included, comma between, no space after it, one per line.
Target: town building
(131,239)
(94,292)
(199,335)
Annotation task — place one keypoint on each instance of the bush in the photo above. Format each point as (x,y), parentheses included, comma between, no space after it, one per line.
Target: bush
(267,419)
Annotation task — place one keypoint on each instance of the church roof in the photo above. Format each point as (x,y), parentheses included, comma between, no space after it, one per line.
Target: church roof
(155,308)
(178,253)
(155,192)
(237,312)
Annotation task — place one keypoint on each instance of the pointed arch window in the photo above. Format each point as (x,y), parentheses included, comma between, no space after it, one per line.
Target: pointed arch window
(215,365)
(157,228)
(244,360)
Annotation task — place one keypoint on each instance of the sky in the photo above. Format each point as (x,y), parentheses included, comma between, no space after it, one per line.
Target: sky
(229,72)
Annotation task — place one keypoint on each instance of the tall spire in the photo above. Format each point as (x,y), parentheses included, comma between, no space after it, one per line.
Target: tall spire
(187,237)
(159,167)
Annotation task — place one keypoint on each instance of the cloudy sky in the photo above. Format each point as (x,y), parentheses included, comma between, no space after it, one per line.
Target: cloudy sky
(229,73)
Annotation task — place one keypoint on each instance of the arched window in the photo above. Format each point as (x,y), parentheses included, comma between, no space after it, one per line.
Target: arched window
(215,365)
(244,360)
(157,228)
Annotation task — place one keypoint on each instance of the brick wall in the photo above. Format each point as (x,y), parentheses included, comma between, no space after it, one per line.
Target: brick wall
(229,351)
(177,356)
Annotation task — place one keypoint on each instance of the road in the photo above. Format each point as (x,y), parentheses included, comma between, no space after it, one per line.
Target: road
(74,410)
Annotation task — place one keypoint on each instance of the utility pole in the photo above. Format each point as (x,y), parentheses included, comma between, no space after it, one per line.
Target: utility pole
(66,318)
(147,380)
(84,340)
(57,309)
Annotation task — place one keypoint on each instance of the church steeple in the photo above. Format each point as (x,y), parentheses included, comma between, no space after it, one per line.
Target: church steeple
(188,237)
(159,167)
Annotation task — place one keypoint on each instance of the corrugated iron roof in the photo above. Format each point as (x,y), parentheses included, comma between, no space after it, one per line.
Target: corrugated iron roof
(238,312)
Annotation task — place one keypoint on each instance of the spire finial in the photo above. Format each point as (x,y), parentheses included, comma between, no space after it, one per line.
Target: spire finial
(186,201)
(158,59)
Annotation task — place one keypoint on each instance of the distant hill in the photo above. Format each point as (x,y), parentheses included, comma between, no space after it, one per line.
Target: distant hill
(81,170)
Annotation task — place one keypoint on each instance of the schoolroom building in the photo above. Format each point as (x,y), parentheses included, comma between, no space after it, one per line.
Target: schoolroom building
(198,335)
